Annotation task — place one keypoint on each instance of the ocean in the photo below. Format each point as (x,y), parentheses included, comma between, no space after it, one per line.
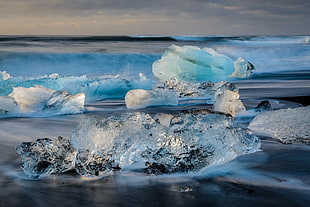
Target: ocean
(105,68)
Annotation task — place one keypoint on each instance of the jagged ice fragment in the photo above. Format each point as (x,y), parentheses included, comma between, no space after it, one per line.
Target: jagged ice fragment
(46,156)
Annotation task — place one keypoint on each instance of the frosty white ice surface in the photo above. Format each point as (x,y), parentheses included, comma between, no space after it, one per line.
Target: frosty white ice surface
(193,64)
(39,100)
(287,125)
(140,98)
(46,156)
(8,106)
(228,102)
(4,75)
(191,141)
(31,99)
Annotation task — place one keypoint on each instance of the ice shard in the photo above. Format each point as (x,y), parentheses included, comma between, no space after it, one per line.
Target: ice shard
(287,125)
(194,64)
(42,101)
(46,156)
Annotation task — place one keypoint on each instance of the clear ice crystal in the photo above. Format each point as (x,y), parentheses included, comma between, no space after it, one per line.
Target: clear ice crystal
(46,156)
(192,141)
(165,143)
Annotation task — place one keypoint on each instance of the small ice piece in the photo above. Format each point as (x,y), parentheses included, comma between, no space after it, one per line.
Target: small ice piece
(31,99)
(140,98)
(228,102)
(306,40)
(243,68)
(4,75)
(61,102)
(39,100)
(205,90)
(263,106)
(194,64)
(287,125)
(187,142)
(46,156)
(8,106)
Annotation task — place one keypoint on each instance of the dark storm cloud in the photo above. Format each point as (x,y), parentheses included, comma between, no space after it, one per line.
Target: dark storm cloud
(193,7)
(266,16)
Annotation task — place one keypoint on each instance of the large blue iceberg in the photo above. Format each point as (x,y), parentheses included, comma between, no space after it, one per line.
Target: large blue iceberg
(194,64)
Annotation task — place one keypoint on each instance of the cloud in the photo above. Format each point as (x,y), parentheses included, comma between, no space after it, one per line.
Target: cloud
(167,16)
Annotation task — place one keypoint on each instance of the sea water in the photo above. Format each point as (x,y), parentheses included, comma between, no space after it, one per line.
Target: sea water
(276,175)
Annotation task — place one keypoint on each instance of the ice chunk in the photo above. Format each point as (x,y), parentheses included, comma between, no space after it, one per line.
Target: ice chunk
(193,64)
(263,106)
(172,91)
(8,106)
(46,156)
(61,102)
(228,102)
(186,142)
(31,99)
(287,125)
(4,75)
(39,100)
(306,40)
(243,68)
(193,140)
(140,98)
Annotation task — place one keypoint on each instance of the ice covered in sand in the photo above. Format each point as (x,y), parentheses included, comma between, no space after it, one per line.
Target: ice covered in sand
(163,143)
(40,101)
(193,64)
(139,98)
(287,125)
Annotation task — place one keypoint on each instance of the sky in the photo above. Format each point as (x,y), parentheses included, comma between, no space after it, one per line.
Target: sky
(154,17)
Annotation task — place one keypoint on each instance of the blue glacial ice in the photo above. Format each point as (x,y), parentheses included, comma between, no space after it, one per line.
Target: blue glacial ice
(94,88)
(194,64)
(162,143)
(288,125)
